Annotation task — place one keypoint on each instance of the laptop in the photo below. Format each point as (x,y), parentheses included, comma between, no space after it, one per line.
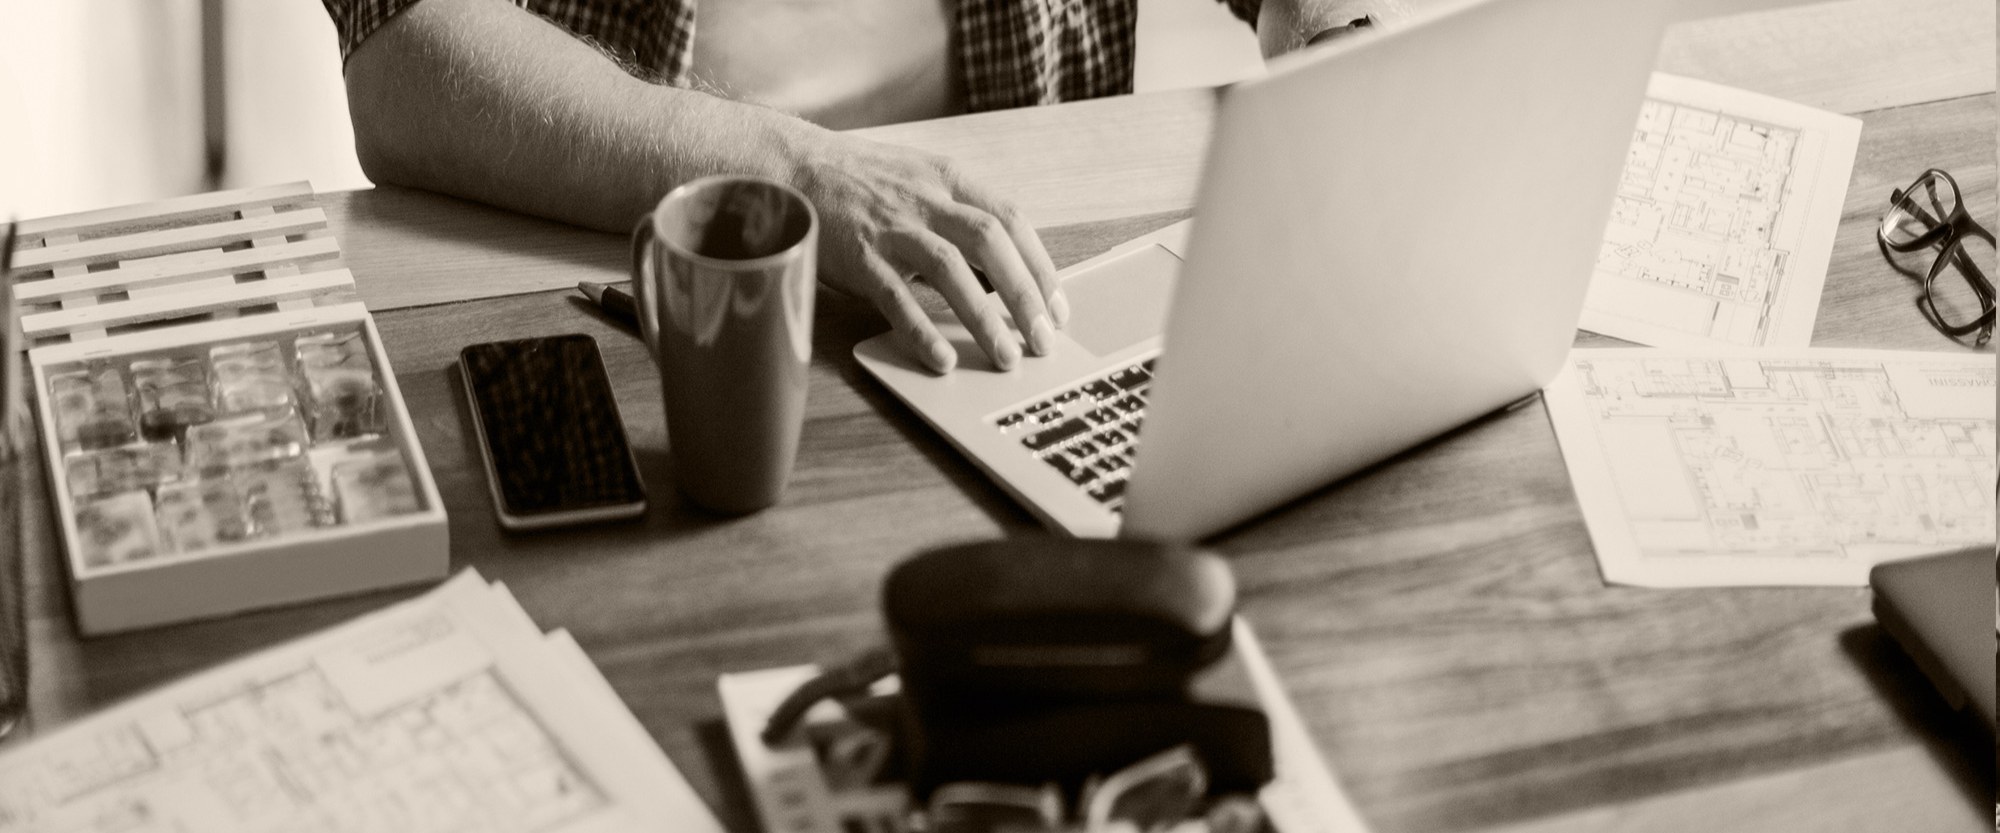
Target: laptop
(1391,238)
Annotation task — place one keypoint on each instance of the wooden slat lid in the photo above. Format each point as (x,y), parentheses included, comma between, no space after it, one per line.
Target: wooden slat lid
(80,276)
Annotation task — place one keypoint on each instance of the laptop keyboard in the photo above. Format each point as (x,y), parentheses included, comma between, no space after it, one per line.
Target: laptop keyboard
(1087,432)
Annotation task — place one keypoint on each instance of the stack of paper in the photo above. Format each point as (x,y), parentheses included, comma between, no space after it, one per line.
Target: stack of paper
(449,712)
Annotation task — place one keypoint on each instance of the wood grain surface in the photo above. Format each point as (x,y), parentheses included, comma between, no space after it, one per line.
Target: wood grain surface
(1439,618)
(1851,56)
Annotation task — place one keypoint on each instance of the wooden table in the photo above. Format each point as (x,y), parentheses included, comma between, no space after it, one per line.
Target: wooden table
(1439,620)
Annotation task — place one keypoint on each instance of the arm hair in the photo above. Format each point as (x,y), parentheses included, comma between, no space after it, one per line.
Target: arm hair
(482,100)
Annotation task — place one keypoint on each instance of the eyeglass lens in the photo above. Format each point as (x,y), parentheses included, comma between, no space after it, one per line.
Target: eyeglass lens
(1962,292)
(1152,794)
(1927,204)
(981,807)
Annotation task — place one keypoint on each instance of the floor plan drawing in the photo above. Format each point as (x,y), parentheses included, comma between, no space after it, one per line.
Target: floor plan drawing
(290,750)
(446,713)
(1782,467)
(1723,220)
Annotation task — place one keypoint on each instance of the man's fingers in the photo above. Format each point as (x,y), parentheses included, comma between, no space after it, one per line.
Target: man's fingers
(982,238)
(922,251)
(893,298)
(1027,243)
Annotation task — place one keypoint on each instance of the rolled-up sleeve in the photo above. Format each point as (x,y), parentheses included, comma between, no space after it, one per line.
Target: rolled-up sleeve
(650,38)
(355,20)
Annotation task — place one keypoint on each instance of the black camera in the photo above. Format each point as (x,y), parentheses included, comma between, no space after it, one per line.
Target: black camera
(1036,661)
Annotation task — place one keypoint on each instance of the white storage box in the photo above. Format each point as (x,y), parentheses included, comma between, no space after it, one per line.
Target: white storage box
(221,426)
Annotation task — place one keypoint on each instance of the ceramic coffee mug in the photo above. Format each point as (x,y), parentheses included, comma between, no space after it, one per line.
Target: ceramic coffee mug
(723,276)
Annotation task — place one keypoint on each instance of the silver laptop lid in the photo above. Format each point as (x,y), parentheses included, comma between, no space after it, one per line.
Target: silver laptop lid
(1391,239)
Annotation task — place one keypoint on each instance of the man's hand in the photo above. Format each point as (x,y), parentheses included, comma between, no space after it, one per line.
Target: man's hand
(889,214)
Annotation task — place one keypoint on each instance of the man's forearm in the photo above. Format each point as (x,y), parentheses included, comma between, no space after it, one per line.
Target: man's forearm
(480,99)
(1287,25)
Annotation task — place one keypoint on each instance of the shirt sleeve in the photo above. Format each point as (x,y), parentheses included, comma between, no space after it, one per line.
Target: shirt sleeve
(652,39)
(355,20)
(1245,10)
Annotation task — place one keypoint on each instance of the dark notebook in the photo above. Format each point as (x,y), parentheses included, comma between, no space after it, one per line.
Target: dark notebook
(1937,608)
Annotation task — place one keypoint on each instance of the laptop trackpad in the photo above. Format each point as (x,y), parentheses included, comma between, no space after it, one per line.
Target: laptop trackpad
(1121,302)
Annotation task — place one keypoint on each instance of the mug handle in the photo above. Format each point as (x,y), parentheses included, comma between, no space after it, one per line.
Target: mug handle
(642,284)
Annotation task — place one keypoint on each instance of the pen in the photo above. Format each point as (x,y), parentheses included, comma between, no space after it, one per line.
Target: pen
(615,302)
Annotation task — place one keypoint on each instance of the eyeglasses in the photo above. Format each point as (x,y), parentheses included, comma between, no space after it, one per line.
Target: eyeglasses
(1162,792)
(1958,294)
(985,807)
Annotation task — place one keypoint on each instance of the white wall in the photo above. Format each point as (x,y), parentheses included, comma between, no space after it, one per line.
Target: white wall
(99,103)
(287,108)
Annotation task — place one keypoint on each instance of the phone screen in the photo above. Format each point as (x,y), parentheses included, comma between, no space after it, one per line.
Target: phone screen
(554,442)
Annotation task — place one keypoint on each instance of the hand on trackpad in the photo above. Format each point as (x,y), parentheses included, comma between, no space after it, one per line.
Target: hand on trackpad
(1122,302)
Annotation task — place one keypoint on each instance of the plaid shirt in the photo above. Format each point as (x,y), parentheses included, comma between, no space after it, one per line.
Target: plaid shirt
(1014,53)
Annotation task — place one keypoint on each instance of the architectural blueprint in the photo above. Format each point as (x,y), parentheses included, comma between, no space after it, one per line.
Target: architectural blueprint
(1775,467)
(1724,220)
(450,712)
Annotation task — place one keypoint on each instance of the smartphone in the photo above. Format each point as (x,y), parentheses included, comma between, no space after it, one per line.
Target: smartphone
(550,434)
